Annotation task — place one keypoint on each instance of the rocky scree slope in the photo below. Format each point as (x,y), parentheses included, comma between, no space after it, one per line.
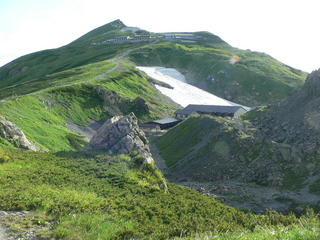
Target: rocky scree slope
(209,148)
(295,120)
(233,161)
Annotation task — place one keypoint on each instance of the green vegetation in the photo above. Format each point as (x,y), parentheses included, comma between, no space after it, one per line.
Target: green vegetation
(3,157)
(256,113)
(178,143)
(78,195)
(302,231)
(315,187)
(254,78)
(207,148)
(43,114)
(36,66)
(97,196)
(45,125)
(5,143)
(68,77)
(175,145)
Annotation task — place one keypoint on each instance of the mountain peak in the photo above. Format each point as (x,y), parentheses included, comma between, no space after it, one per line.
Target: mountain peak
(117,23)
(100,32)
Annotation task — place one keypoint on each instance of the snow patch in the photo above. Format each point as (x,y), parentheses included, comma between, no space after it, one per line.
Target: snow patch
(182,92)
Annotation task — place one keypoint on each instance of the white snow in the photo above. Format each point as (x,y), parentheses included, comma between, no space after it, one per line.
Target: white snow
(182,92)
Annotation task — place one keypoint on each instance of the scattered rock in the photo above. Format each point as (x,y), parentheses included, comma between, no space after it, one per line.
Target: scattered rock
(14,134)
(24,225)
(122,135)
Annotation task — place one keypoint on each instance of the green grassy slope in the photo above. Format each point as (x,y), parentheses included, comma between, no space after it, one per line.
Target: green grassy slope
(36,66)
(211,148)
(82,192)
(255,79)
(71,96)
(303,231)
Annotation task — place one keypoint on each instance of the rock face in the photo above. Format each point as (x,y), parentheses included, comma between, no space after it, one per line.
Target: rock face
(14,134)
(122,135)
(110,99)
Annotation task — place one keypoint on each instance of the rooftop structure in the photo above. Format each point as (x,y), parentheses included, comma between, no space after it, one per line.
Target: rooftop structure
(161,124)
(216,110)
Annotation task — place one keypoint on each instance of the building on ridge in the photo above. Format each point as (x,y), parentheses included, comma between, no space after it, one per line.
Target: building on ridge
(214,110)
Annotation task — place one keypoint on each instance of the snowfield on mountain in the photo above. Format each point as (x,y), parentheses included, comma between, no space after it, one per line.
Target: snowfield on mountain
(182,92)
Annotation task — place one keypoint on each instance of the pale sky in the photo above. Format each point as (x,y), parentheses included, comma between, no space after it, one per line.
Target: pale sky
(287,30)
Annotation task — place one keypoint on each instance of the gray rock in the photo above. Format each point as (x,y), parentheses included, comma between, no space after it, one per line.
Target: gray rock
(122,135)
(14,134)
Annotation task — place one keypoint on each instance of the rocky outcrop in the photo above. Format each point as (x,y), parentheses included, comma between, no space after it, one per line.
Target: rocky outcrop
(157,82)
(15,135)
(116,105)
(122,135)
(111,100)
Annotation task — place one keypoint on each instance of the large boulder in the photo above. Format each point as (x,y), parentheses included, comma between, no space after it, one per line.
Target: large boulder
(122,135)
(15,135)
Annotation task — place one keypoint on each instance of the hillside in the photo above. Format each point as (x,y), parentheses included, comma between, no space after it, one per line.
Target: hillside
(81,96)
(225,149)
(270,156)
(57,100)
(245,77)
(97,196)
(229,158)
(295,120)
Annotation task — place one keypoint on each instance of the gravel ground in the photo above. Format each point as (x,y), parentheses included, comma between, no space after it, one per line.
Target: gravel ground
(21,231)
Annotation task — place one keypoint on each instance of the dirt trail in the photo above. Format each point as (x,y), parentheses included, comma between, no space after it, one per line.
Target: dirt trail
(116,60)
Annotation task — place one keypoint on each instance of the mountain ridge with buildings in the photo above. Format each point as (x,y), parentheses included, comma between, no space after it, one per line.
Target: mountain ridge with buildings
(242,76)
